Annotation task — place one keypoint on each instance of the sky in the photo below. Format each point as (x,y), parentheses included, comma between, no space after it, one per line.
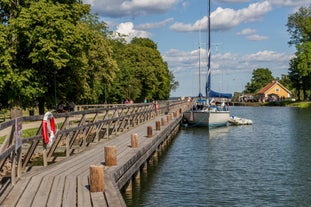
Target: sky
(245,35)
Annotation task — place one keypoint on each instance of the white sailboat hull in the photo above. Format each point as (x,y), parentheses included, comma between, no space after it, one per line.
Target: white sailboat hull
(206,118)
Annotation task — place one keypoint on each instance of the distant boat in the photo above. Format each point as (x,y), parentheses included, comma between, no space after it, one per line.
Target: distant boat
(211,110)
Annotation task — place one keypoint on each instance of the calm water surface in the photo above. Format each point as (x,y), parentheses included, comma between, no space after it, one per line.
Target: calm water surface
(265,164)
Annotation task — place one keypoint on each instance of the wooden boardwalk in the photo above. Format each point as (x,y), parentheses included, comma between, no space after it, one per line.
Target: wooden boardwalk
(66,183)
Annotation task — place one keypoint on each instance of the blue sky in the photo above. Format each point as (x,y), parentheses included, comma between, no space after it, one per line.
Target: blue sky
(246,34)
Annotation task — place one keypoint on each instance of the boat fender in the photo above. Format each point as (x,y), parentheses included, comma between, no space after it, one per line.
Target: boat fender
(48,129)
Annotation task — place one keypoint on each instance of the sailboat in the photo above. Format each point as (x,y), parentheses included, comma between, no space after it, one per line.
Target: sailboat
(211,110)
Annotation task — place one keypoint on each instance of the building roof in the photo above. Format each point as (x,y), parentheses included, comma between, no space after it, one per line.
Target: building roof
(270,85)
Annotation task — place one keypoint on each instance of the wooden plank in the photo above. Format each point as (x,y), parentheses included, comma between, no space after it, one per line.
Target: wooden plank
(84,197)
(15,193)
(69,194)
(26,198)
(113,195)
(98,199)
(56,194)
(42,195)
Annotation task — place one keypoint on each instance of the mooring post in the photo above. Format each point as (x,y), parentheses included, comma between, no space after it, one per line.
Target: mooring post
(163,122)
(110,155)
(149,131)
(97,183)
(134,140)
(158,128)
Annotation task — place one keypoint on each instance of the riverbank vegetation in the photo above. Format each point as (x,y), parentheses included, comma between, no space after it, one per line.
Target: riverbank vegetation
(56,50)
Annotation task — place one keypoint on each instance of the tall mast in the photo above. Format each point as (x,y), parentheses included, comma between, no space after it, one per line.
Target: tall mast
(200,92)
(208,83)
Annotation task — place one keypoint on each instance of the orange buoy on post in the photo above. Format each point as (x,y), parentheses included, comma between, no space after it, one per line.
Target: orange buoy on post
(48,128)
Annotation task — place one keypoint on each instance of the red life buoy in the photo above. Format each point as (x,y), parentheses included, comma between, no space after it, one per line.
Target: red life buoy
(48,128)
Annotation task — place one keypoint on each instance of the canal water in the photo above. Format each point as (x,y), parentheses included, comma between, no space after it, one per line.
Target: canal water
(264,164)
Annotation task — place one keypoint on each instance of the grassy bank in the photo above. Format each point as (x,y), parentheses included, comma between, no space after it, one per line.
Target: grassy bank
(302,104)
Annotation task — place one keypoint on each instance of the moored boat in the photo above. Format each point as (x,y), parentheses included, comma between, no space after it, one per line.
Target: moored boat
(211,110)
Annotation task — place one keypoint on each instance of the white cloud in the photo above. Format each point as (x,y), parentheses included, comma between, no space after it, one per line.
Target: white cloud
(290,3)
(233,1)
(247,31)
(127,29)
(256,37)
(225,19)
(122,8)
(229,63)
(268,56)
(154,24)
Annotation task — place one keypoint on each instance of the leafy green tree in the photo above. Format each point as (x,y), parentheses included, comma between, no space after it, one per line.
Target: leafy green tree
(58,51)
(299,28)
(260,78)
(143,73)
(48,44)
(303,66)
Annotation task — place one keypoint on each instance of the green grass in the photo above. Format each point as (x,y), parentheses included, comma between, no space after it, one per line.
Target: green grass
(302,104)
(25,133)
(2,139)
(29,132)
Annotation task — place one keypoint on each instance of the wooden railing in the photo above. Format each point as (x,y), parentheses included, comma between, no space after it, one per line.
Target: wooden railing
(76,131)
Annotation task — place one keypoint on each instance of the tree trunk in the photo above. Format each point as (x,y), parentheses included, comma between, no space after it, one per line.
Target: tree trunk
(41,106)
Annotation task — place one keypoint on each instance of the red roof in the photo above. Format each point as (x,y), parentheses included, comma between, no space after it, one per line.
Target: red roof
(268,86)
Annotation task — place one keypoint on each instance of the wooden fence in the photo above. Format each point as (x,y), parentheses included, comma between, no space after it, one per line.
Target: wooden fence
(76,131)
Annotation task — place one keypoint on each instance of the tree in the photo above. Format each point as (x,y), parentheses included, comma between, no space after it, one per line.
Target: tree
(261,77)
(143,73)
(299,28)
(58,51)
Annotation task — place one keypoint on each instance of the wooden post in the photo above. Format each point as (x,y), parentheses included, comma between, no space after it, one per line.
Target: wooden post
(158,128)
(44,155)
(97,182)
(149,131)
(67,146)
(163,122)
(110,155)
(168,118)
(134,140)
